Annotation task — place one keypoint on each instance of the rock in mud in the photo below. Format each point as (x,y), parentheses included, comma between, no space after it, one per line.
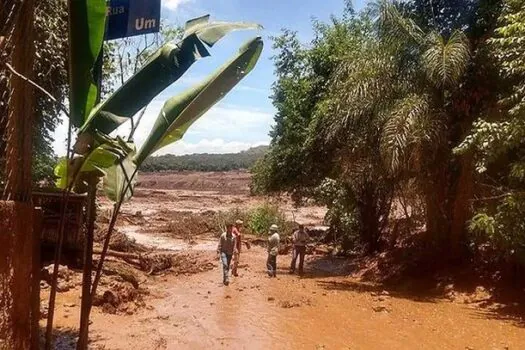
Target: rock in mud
(380,308)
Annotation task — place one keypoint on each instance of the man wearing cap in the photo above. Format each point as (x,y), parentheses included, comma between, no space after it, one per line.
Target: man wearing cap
(273,250)
(299,239)
(226,247)
(238,240)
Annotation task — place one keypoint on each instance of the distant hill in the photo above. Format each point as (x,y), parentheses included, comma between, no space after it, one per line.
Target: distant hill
(205,162)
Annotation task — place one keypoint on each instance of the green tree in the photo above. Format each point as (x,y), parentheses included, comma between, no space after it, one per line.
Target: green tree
(383,107)
(497,144)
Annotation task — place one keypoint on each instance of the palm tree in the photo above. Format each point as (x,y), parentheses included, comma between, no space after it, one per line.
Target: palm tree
(392,103)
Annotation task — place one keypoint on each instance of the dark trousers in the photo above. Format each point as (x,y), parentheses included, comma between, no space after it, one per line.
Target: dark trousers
(271,264)
(298,251)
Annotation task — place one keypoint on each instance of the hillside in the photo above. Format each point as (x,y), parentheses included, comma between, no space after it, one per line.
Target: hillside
(205,162)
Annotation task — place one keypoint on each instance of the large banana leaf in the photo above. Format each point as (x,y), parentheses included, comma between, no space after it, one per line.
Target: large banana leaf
(166,66)
(179,112)
(87,23)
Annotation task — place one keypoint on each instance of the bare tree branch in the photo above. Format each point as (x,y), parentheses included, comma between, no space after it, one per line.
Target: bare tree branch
(47,93)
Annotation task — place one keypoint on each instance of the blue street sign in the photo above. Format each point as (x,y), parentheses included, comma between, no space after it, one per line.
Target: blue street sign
(132,17)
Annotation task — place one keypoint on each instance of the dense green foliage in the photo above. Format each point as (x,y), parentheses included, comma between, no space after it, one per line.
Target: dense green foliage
(205,162)
(50,73)
(370,111)
(497,142)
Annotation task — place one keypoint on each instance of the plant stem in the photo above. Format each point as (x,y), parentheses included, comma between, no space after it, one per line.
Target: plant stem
(88,267)
(58,251)
(126,187)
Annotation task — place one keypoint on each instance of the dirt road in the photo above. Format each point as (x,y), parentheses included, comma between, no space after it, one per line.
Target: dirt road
(319,311)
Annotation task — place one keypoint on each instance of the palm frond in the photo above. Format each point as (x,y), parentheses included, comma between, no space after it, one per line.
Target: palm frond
(445,61)
(394,27)
(358,90)
(410,125)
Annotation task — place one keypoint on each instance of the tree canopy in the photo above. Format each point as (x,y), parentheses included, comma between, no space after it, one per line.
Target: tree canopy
(397,111)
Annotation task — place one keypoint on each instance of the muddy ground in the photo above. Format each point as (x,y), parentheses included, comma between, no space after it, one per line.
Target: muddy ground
(331,307)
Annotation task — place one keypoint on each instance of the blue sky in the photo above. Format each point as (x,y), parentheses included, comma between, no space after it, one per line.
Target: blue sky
(244,117)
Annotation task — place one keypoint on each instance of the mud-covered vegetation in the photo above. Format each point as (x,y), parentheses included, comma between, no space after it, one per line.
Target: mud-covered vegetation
(407,118)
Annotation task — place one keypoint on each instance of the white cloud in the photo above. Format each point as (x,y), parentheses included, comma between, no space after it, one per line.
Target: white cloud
(224,121)
(209,146)
(225,128)
(174,4)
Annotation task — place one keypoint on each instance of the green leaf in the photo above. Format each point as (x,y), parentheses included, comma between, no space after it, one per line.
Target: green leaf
(60,172)
(118,176)
(99,161)
(87,23)
(165,67)
(181,111)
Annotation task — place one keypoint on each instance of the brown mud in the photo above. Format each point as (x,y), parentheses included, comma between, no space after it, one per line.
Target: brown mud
(333,306)
(326,309)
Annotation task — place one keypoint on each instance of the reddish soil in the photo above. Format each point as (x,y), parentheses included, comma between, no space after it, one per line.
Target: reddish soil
(326,309)
(334,306)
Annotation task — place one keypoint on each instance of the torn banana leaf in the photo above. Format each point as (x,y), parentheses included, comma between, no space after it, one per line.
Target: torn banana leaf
(181,111)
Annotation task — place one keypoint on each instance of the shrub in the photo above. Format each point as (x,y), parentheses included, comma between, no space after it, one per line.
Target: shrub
(262,217)
(257,220)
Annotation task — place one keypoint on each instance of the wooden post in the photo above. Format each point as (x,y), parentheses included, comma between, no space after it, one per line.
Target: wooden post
(16,213)
(35,276)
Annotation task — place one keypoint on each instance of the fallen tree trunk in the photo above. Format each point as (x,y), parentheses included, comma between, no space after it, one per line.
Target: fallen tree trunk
(116,254)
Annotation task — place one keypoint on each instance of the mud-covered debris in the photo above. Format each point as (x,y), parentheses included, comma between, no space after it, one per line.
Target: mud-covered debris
(120,298)
(119,241)
(123,271)
(380,308)
(155,263)
(43,311)
(288,304)
(271,298)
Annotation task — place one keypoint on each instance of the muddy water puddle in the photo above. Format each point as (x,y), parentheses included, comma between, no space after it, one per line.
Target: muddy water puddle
(158,241)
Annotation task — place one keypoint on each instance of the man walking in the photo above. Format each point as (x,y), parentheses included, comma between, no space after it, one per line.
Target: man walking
(273,250)
(225,250)
(238,244)
(299,239)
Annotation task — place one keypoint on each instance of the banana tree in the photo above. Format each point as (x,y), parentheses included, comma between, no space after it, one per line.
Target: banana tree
(95,154)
